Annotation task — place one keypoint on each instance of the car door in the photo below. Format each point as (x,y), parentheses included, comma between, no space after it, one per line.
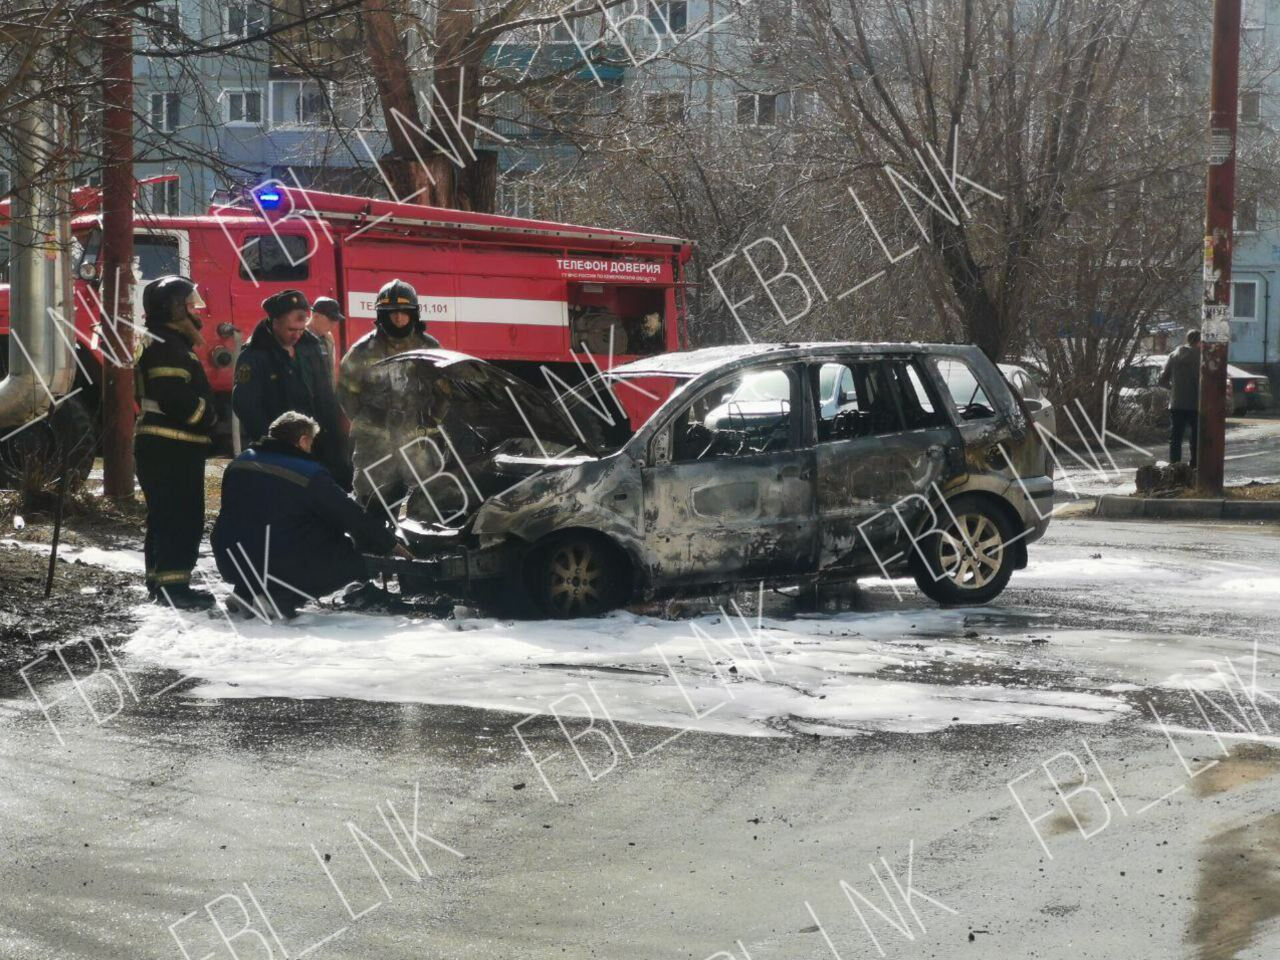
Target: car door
(880,449)
(728,485)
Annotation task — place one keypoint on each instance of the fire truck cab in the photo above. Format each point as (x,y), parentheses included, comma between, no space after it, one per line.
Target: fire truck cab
(523,294)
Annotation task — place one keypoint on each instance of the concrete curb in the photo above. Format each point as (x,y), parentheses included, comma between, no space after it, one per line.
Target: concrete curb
(1131,508)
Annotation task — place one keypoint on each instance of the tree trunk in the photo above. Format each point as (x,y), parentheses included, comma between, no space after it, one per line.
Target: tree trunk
(458,176)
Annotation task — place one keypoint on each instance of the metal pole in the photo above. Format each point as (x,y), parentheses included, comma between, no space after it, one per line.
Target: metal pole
(1215,330)
(117,254)
(65,465)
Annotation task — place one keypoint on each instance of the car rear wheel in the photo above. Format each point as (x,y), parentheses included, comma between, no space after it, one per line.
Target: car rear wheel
(970,560)
(576,575)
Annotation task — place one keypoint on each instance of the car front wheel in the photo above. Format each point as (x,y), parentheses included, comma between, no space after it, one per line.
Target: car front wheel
(576,575)
(970,560)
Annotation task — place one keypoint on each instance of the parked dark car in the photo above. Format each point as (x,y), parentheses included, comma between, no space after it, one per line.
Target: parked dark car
(1249,391)
(686,472)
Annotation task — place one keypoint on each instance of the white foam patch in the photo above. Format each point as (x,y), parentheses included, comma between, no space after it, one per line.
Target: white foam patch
(710,674)
(124,561)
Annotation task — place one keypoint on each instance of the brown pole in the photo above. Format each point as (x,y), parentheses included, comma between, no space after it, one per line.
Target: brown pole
(1215,328)
(116,260)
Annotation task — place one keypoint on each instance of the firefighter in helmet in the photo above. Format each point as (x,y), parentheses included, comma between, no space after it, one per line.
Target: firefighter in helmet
(367,398)
(172,439)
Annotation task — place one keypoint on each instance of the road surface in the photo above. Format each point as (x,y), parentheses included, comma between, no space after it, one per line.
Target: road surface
(1034,779)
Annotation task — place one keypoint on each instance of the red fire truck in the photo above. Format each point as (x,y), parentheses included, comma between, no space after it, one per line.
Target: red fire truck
(521,293)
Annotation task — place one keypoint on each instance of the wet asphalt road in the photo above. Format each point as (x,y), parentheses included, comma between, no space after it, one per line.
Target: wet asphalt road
(179,817)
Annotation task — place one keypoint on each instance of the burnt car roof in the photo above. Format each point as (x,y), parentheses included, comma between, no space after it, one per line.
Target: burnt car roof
(695,362)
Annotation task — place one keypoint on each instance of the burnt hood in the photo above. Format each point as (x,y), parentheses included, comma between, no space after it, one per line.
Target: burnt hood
(490,420)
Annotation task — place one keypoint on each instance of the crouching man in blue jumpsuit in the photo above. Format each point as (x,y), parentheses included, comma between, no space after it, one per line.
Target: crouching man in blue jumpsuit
(285,530)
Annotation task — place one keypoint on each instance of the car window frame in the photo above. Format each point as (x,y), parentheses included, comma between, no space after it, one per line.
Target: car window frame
(932,361)
(932,388)
(660,447)
(928,377)
(299,272)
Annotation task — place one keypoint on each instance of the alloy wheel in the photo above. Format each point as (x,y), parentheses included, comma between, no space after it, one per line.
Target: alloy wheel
(575,570)
(971,551)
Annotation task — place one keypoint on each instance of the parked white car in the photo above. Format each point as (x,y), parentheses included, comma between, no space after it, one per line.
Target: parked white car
(1027,387)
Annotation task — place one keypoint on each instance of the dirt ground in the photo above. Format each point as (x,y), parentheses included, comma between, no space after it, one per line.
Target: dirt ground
(83,595)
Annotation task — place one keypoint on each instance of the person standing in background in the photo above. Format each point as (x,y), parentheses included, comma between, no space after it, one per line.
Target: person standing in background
(326,322)
(1181,376)
(325,317)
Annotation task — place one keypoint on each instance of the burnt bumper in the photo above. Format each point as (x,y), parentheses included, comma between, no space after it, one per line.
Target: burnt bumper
(460,571)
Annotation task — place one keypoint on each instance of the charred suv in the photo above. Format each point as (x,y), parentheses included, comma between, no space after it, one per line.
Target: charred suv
(686,472)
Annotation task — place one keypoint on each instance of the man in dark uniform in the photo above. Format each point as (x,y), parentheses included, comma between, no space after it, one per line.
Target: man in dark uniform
(365,396)
(284,367)
(282,535)
(172,439)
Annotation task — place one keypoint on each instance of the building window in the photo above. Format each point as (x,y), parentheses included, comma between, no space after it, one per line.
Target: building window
(244,20)
(663,108)
(1246,215)
(164,112)
(773,21)
(517,198)
(798,104)
(356,104)
(163,23)
(562,33)
(242,107)
(1250,106)
(757,109)
(671,16)
(5,183)
(162,198)
(1244,300)
(297,103)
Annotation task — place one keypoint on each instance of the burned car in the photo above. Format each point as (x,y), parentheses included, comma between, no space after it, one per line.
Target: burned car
(691,471)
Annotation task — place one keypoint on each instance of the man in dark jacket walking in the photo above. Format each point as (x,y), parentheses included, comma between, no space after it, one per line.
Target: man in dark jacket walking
(172,439)
(285,367)
(1181,376)
(285,530)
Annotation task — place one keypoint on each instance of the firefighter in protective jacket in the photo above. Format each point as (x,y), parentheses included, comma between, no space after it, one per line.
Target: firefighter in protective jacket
(366,398)
(172,439)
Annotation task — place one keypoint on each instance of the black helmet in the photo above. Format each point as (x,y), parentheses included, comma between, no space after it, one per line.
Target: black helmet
(161,296)
(395,296)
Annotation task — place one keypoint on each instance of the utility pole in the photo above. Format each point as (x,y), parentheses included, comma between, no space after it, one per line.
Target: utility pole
(116,260)
(1215,328)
